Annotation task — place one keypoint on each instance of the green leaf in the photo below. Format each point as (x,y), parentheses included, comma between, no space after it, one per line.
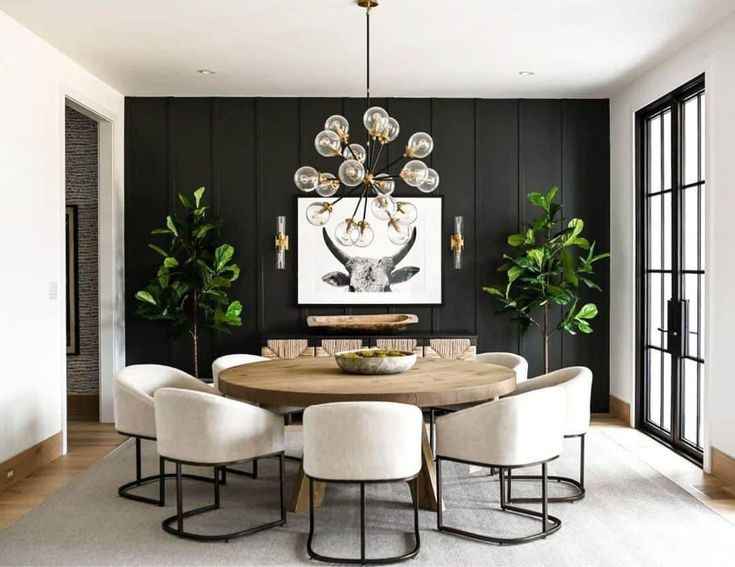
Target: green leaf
(170,262)
(222,255)
(581,242)
(158,249)
(537,255)
(537,199)
(145,297)
(516,239)
(584,327)
(186,201)
(514,273)
(198,194)
(234,309)
(160,231)
(493,291)
(577,225)
(551,194)
(203,230)
(171,226)
(587,311)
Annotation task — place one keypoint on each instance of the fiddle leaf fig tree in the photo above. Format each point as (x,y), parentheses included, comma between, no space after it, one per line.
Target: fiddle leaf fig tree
(549,266)
(189,290)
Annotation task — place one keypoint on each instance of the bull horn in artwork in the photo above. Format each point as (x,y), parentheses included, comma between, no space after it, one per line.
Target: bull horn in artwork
(401,254)
(341,256)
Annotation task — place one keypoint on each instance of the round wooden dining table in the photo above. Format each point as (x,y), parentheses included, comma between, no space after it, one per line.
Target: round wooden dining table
(302,382)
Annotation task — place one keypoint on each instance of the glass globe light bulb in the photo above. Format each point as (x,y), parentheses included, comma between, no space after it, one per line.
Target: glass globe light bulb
(365,235)
(419,145)
(338,124)
(351,173)
(391,130)
(346,232)
(414,172)
(398,233)
(375,120)
(318,213)
(429,184)
(382,207)
(355,151)
(306,178)
(327,143)
(384,183)
(406,213)
(328,185)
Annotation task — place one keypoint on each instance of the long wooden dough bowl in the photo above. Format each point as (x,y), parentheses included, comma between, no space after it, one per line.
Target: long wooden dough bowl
(388,323)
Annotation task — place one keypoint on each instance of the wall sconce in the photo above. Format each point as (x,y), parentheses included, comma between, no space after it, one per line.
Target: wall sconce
(457,243)
(281,243)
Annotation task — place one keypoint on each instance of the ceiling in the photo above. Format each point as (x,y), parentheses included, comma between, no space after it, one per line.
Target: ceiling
(457,48)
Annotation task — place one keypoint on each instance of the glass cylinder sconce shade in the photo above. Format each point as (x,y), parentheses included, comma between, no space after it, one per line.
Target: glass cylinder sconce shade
(457,242)
(281,243)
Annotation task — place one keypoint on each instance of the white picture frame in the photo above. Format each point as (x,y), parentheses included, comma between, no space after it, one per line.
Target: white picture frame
(324,280)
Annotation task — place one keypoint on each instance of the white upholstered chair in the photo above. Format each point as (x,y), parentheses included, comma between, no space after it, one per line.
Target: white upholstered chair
(509,433)
(362,443)
(231,360)
(509,360)
(199,429)
(576,383)
(134,390)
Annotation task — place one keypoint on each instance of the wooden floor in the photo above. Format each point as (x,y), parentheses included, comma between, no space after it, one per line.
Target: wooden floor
(88,443)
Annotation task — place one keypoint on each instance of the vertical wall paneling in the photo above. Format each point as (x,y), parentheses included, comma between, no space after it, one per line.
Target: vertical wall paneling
(585,134)
(489,154)
(540,146)
(147,204)
(496,182)
(454,158)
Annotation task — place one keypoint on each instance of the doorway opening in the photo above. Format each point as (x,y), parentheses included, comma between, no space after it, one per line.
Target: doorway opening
(81,141)
(671,275)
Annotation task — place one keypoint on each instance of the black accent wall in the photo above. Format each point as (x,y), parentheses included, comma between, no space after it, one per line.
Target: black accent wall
(489,154)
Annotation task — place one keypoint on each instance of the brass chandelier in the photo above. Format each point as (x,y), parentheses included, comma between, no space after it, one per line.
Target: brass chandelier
(358,172)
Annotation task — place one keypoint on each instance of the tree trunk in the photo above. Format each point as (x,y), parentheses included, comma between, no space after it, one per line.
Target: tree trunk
(195,334)
(546,338)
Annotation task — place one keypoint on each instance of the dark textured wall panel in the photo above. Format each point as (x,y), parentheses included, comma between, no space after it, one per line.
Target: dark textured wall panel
(82,370)
(489,154)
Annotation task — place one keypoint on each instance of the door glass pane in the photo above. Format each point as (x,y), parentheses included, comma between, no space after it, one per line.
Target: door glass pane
(654,155)
(702,137)
(664,309)
(667,150)
(655,307)
(691,141)
(700,366)
(655,237)
(666,392)
(666,228)
(691,293)
(702,228)
(691,406)
(690,216)
(654,386)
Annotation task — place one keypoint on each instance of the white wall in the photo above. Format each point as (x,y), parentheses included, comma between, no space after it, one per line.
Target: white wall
(34,80)
(713,53)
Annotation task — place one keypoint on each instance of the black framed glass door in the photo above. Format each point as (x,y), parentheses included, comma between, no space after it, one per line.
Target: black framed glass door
(671,268)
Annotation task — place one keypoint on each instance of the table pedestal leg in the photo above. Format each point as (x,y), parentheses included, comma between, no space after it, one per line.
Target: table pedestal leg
(300,495)
(427,476)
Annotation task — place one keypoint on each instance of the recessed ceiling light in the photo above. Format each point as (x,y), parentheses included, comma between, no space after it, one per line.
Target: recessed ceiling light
(526,73)
(205,72)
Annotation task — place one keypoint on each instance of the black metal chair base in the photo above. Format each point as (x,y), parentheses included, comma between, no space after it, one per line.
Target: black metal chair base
(124,491)
(578,485)
(549,523)
(179,531)
(363,560)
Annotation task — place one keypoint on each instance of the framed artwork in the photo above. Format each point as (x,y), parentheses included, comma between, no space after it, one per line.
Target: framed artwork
(72,292)
(382,273)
